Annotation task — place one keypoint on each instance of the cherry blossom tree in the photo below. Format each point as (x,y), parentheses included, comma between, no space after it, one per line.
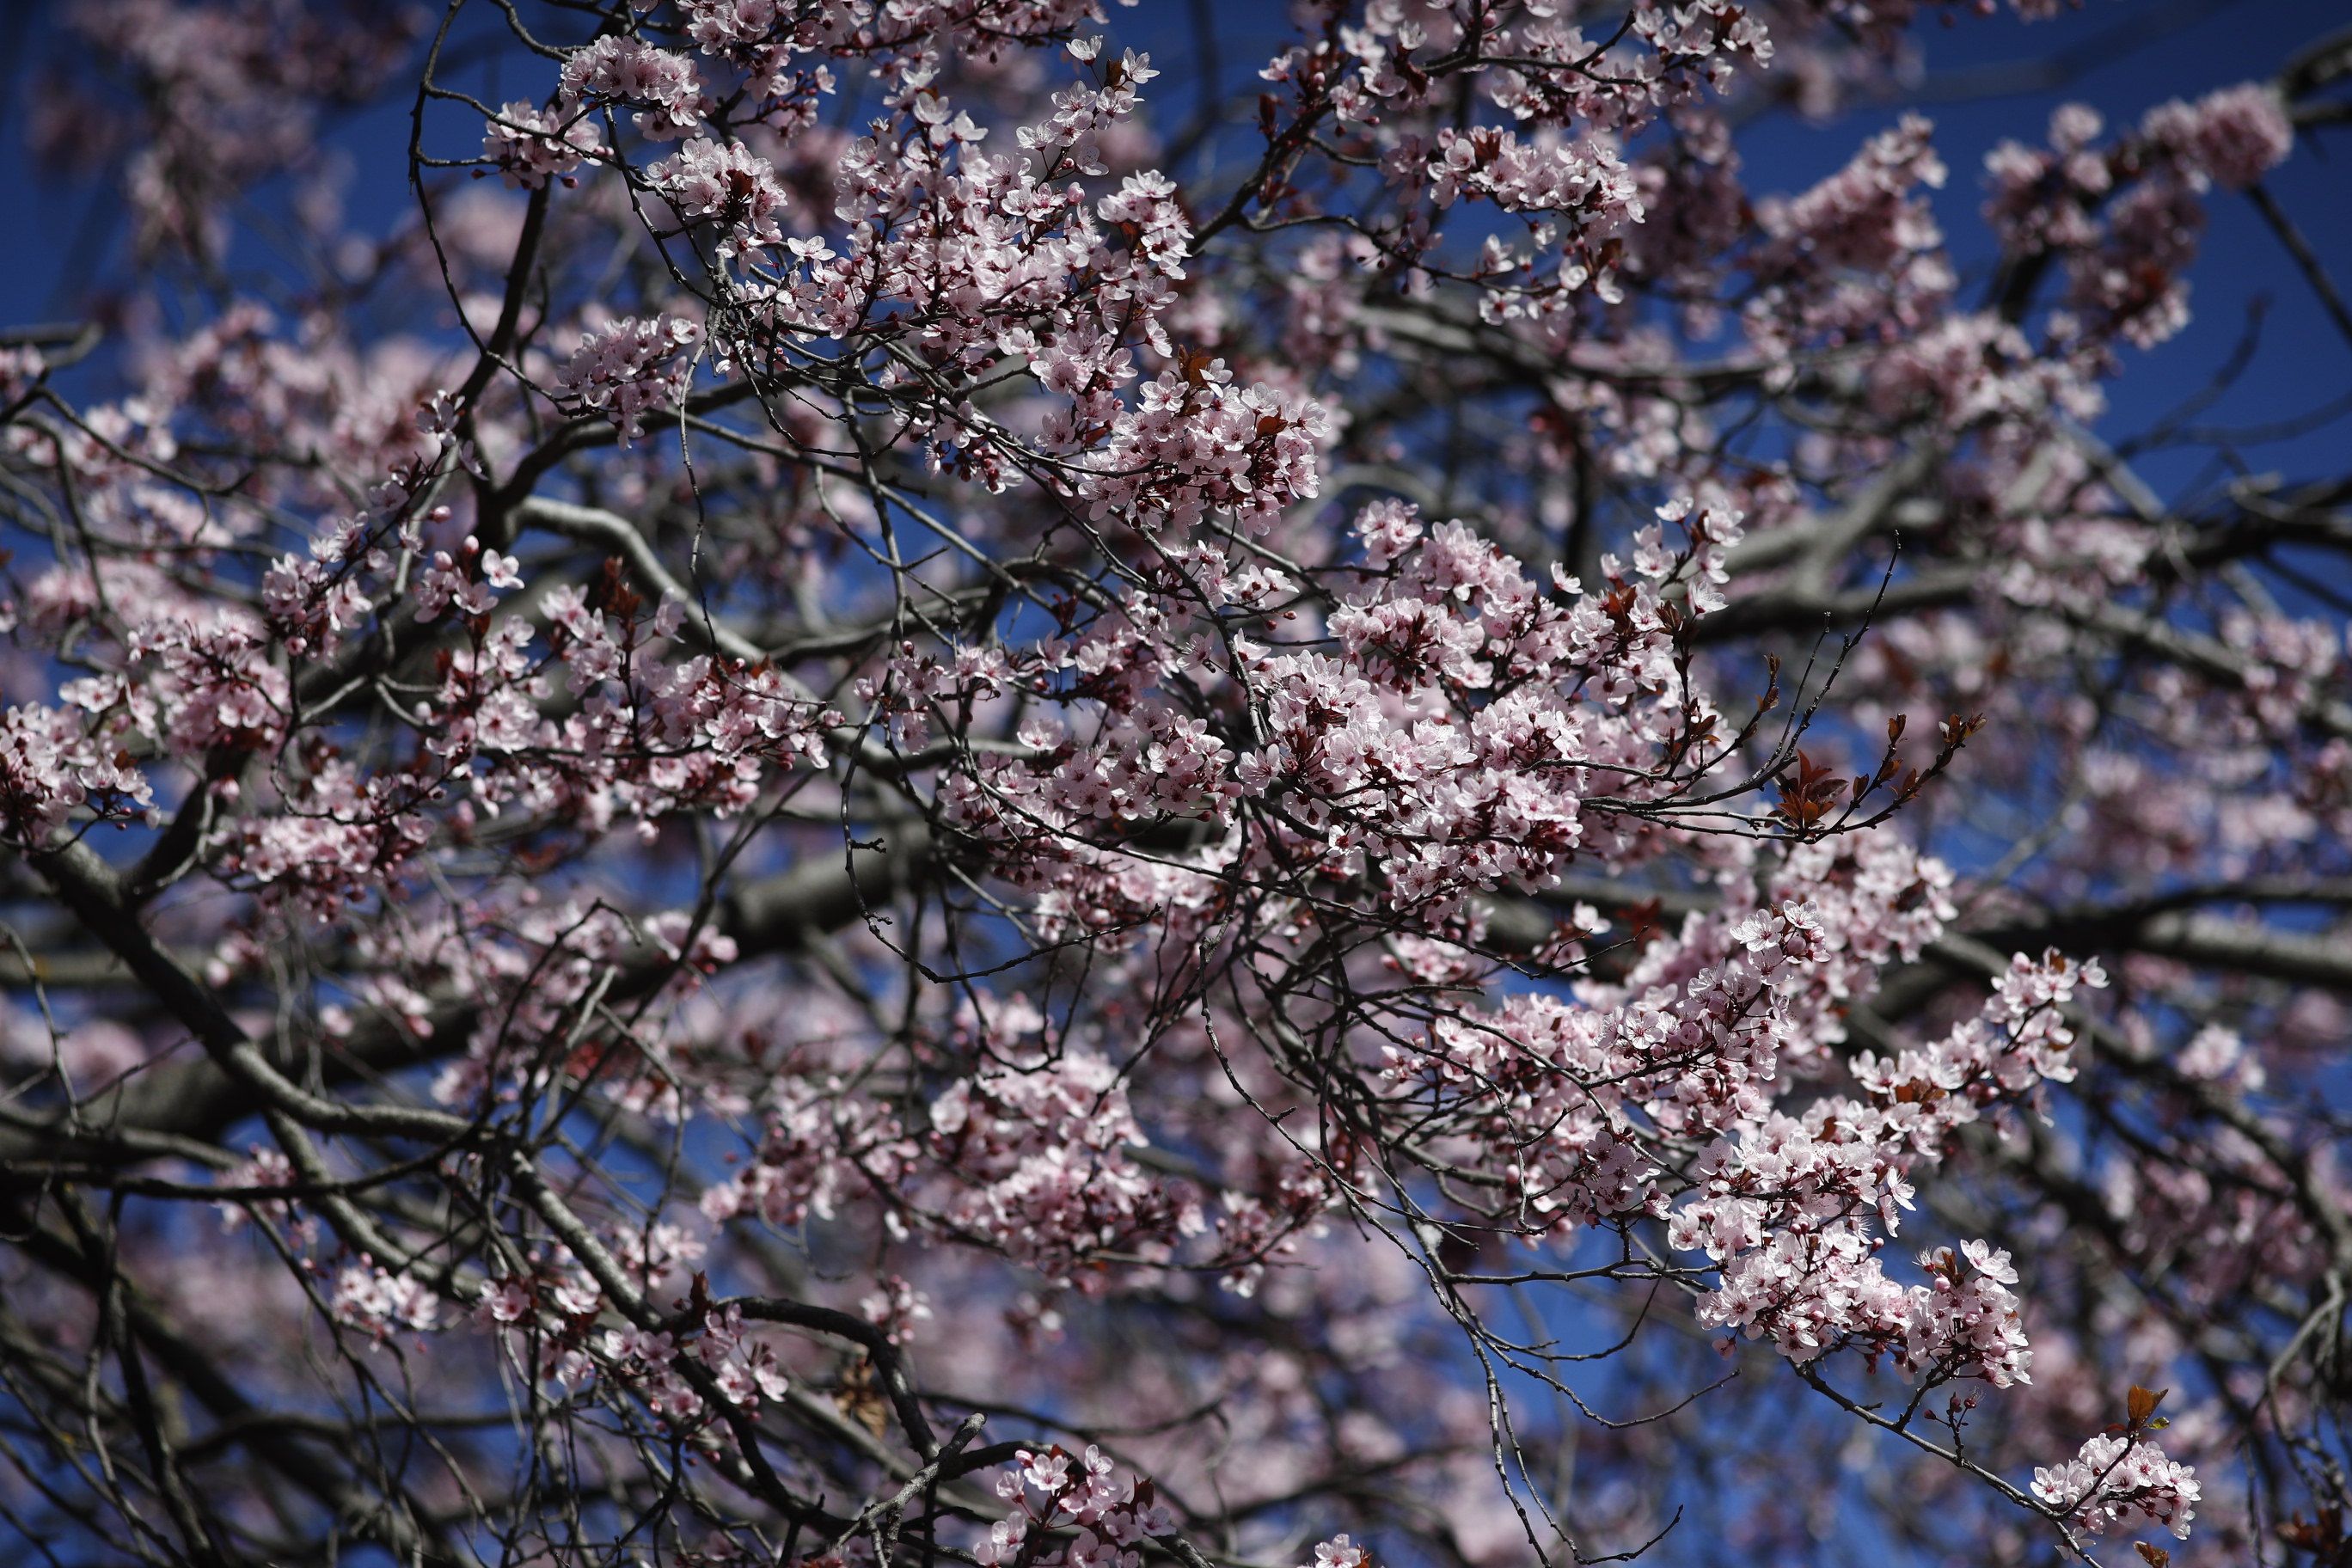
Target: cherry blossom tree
(914,788)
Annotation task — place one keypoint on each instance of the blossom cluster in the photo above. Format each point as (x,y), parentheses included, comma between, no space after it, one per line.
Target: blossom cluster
(52,766)
(725,183)
(628,370)
(1787,1209)
(1072,1510)
(530,145)
(370,1296)
(2125,219)
(743,1369)
(2121,1483)
(621,69)
(1040,1144)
